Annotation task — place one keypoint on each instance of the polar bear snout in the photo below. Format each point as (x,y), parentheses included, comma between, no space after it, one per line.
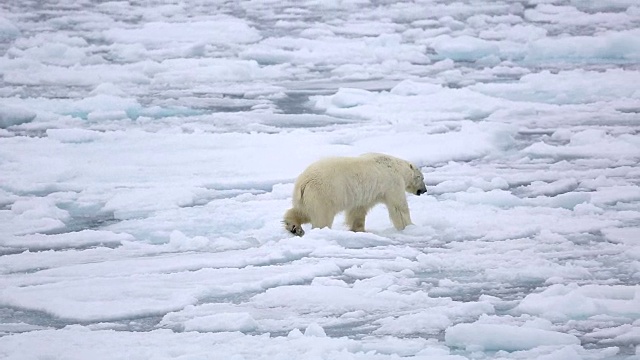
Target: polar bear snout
(419,188)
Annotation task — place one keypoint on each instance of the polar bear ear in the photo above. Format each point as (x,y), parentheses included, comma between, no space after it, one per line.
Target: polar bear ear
(412,167)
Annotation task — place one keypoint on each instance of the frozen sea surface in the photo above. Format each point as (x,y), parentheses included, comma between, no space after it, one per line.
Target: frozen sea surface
(148,151)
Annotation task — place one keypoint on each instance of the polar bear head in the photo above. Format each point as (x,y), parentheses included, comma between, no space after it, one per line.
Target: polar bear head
(416,185)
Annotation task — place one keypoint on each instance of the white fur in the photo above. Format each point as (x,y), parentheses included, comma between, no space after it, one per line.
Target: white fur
(354,185)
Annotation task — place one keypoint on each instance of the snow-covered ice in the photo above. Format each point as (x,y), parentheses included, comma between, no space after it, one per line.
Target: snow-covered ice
(148,151)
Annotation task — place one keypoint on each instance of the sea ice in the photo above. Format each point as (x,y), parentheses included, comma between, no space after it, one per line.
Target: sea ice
(10,116)
(148,152)
(485,337)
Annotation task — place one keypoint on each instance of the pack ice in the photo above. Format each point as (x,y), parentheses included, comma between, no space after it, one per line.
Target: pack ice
(148,151)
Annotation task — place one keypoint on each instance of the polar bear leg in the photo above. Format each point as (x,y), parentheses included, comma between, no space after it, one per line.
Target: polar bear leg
(355,218)
(322,219)
(398,211)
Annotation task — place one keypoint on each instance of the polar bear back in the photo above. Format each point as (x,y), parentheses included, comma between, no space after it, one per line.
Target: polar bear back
(347,182)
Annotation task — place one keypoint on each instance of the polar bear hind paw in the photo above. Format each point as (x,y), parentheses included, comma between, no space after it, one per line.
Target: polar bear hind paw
(294,229)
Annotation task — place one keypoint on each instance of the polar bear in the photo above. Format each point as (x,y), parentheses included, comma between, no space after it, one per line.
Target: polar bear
(354,185)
